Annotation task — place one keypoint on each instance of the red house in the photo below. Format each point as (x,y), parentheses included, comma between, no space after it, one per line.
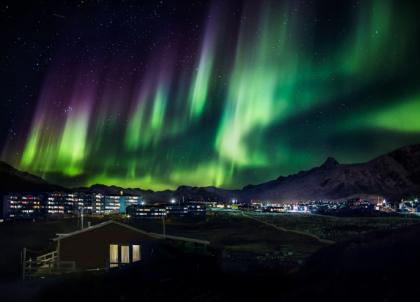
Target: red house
(110,244)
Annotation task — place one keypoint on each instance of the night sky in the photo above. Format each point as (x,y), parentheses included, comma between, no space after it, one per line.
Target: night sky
(164,93)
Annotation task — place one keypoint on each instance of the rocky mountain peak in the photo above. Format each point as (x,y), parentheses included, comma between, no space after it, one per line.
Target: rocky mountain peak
(330,162)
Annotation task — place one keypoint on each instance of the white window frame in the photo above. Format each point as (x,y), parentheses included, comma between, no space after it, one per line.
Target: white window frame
(136,252)
(112,259)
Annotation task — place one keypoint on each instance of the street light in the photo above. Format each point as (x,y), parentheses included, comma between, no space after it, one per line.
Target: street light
(173,200)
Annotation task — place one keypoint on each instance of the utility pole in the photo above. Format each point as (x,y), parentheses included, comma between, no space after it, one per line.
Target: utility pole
(24,264)
(81,217)
(163,226)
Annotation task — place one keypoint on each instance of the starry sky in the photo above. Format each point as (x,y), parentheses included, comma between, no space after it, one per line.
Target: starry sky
(156,94)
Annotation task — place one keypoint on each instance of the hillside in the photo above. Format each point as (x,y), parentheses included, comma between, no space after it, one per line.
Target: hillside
(393,175)
(13,180)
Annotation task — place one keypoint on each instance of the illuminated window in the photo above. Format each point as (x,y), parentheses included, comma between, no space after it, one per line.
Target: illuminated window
(125,254)
(136,253)
(113,255)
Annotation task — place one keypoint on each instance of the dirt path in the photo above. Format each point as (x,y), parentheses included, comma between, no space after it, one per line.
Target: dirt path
(279,228)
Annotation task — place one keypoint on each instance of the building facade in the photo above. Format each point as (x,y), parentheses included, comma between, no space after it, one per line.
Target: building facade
(22,206)
(18,206)
(143,211)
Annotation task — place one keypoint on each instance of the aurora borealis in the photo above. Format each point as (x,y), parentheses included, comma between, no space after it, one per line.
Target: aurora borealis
(214,93)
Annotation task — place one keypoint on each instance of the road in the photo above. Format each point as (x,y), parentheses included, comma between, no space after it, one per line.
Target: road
(279,228)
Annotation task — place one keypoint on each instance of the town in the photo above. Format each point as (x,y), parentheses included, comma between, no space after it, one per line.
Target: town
(62,204)
(57,236)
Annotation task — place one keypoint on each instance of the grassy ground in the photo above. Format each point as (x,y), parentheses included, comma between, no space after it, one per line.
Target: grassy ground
(242,242)
(237,234)
(336,228)
(380,269)
(237,238)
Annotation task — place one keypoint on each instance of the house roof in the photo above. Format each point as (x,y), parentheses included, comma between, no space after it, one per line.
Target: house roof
(153,235)
(180,238)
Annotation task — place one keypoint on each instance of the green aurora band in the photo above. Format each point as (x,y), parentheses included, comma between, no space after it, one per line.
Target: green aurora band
(272,94)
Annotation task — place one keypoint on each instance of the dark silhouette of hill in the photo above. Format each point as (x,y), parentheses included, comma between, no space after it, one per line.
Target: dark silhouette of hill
(13,180)
(393,176)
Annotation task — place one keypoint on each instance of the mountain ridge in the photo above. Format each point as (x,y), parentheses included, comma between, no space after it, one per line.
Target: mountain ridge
(393,175)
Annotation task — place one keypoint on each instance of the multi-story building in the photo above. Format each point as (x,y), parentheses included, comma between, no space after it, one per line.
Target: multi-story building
(132,200)
(143,211)
(177,210)
(22,206)
(58,204)
(196,210)
(55,204)
(85,201)
(113,204)
(98,206)
(63,203)
(186,209)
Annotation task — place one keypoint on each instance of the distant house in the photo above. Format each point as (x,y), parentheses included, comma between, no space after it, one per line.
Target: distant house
(105,245)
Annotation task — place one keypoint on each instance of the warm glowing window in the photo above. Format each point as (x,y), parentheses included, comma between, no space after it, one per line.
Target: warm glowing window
(125,254)
(113,255)
(136,253)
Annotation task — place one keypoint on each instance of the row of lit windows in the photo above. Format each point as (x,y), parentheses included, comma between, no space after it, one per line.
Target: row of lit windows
(24,202)
(149,209)
(20,207)
(59,203)
(151,214)
(120,254)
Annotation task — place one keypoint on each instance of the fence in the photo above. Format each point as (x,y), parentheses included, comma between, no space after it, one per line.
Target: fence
(44,265)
